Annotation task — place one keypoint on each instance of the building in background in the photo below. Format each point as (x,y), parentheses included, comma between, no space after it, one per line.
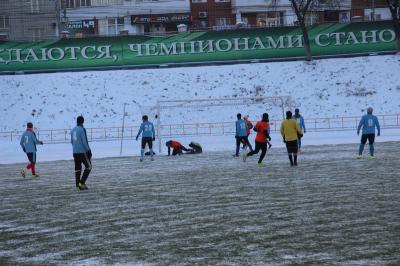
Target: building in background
(216,14)
(29,20)
(121,17)
(370,10)
(262,13)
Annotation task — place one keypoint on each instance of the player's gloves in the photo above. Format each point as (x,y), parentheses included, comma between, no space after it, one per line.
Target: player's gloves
(41,142)
(154,138)
(89,154)
(284,141)
(24,150)
(269,138)
(358,133)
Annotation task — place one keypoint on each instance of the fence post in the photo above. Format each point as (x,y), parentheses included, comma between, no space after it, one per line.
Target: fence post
(383,118)
(315,123)
(223,129)
(51,136)
(170,130)
(183,129)
(11,136)
(105,134)
(91,134)
(329,123)
(342,123)
(65,136)
(397,119)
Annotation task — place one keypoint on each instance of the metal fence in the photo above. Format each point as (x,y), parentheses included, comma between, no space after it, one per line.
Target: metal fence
(54,136)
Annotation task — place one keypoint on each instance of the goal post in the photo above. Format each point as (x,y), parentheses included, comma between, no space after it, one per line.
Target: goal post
(283,103)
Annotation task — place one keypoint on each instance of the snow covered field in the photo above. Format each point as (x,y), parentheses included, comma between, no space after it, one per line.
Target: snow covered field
(207,209)
(323,88)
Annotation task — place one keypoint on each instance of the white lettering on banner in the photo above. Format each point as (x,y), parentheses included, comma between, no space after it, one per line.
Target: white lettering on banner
(73,51)
(228,45)
(292,40)
(237,44)
(209,46)
(151,49)
(138,48)
(50,55)
(183,51)
(84,54)
(44,54)
(165,50)
(271,42)
(1,59)
(318,39)
(17,54)
(192,47)
(337,36)
(372,35)
(392,36)
(31,53)
(105,51)
(257,42)
(351,37)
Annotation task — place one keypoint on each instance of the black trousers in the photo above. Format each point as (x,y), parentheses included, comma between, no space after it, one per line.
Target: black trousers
(259,146)
(369,137)
(291,146)
(147,140)
(79,159)
(179,151)
(31,157)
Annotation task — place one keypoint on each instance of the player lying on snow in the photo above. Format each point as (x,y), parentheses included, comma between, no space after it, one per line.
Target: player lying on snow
(178,148)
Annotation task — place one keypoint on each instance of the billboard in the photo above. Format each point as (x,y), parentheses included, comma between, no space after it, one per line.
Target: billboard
(195,47)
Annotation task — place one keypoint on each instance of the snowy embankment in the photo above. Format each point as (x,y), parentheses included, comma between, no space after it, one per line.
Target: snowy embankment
(322,88)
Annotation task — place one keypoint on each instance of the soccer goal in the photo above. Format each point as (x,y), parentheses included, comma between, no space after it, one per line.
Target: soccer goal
(214,111)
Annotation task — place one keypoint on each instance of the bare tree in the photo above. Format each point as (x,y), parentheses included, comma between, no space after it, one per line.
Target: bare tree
(394,7)
(301,8)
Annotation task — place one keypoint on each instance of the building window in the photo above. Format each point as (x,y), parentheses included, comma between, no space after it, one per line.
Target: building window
(115,25)
(4,22)
(222,1)
(222,21)
(199,1)
(37,34)
(77,3)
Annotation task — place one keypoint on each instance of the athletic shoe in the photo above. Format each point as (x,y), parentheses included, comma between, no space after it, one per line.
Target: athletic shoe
(261,164)
(23,173)
(141,159)
(372,157)
(295,164)
(36,175)
(83,187)
(244,157)
(359,156)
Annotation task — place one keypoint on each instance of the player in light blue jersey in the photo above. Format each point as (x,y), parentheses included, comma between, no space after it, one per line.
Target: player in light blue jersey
(368,123)
(241,134)
(300,120)
(148,136)
(82,153)
(28,143)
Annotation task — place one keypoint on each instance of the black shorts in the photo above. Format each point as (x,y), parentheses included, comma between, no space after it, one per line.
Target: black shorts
(242,139)
(147,140)
(370,137)
(31,157)
(291,146)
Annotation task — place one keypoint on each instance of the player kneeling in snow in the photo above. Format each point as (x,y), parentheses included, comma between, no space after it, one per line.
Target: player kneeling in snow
(176,146)
(28,143)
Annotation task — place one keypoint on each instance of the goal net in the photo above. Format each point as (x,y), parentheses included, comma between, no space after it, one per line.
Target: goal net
(197,117)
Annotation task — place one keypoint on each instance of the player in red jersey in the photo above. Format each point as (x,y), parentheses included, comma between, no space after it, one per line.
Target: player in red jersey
(176,146)
(262,129)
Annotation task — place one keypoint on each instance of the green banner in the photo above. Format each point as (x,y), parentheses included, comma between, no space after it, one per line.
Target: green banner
(206,46)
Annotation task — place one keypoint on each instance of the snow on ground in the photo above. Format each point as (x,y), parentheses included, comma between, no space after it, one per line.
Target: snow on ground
(207,209)
(323,88)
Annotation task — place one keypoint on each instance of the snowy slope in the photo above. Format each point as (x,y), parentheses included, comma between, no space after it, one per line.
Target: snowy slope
(323,88)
